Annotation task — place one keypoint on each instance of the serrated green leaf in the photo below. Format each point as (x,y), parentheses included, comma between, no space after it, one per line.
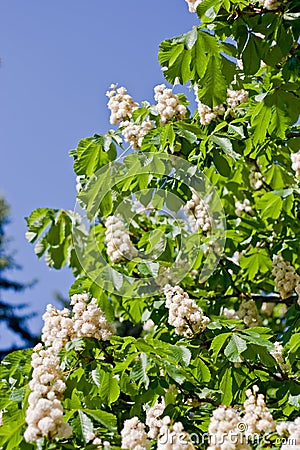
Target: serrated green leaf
(234,348)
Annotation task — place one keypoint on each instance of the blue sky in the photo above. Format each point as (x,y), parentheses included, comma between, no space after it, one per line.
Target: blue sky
(58,59)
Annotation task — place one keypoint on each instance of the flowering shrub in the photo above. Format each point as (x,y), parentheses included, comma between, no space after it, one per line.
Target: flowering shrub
(174,338)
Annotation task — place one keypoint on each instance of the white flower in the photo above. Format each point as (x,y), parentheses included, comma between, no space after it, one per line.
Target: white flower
(120,104)
(224,431)
(119,245)
(168,104)
(236,97)
(89,320)
(295,157)
(243,206)
(271,5)
(286,278)
(58,328)
(134,436)
(192,4)
(184,314)
(255,178)
(248,312)
(44,415)
(153,419)
(135,133)
(257,416)
(198,214)
(277,354)
(206,113)
(173,437)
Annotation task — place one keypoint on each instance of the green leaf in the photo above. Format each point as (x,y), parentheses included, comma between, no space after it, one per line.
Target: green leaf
(294,343)
(225,144)
(270,205)
(251,55)
(226,387)
(257,260)
(201,371)
(221,163)
(218,343)
(90,156)
(107,419)
(234,348)
(86,425)
(139,370)
(214,88)
(180,353)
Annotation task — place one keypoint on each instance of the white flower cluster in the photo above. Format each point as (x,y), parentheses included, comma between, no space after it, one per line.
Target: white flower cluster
(44,415)
(277,354)
(295,157)
(88,319)
(286,278)
(224,430)
(119,245)
(120,104)
(271,5)
(168,104)
(291,431)
(134,436)
(236,97)
(173,437)
(197,214)
(184,314)
(258,417)
(255,178)
(248,313)
(192,4)
(207,114)
(135,133)
(58,328)
(153,419)
(243,206)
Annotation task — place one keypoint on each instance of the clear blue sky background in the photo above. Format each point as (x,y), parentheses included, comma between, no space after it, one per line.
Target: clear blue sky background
(58,59)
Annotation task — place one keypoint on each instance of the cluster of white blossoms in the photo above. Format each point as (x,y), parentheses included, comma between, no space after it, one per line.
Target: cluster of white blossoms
(44,415)
(277,354)
(236,97)
(225,430)
(286,278)
(243,206)
(154,420)
(295,157)
(197,214)
(192,4)
(290,431)
(247,312)
(120,104)
(134,133)
(173,436)
(258,417)
(58,328)
(88,319)
(255,178)
(168,104)
(207,114)
(119,245)
(184,314)
(271,5)
(134,436)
